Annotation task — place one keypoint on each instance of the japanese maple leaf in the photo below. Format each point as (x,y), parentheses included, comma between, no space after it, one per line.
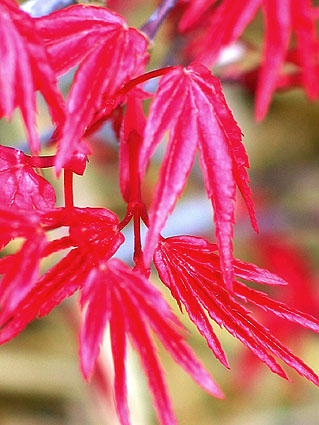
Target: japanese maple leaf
(94,236)
(190,105)
(282,18)
(24,68)
(20,185)
(114,294)
(109,54)
(190,268)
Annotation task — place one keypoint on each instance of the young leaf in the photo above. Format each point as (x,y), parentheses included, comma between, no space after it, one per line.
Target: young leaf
(190,104)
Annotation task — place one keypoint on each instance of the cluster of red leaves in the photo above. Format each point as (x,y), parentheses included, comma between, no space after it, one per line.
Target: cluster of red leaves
(190,106)
(229,19)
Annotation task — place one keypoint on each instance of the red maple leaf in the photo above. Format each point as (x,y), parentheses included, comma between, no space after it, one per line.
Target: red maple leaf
(282,18)
(114,294)
(189,267)
(24,68)
(109,53)
(20,185)
(95,235)
(190,104)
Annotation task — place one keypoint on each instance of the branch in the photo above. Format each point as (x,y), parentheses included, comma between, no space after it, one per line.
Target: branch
(37,8)
(151,27)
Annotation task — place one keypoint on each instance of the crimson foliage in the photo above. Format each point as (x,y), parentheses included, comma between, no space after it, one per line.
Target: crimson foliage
(189,105)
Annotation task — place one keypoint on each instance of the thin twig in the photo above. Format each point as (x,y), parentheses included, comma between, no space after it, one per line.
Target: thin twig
(151,27)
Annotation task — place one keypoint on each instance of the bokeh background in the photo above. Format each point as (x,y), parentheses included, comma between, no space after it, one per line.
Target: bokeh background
(40,381)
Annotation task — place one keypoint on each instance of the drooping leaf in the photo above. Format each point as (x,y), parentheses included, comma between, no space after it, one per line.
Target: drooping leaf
(190,105)
(181,268)
(113,288)
(95,235)
(20,185)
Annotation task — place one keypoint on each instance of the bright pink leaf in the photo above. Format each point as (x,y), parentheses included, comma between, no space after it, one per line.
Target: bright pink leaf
(20,185)
(190,104)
